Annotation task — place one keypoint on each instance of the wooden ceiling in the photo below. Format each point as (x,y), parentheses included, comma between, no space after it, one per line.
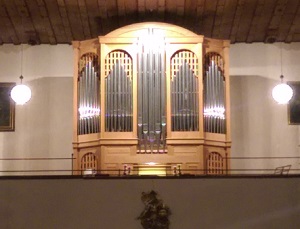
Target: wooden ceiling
(62,21)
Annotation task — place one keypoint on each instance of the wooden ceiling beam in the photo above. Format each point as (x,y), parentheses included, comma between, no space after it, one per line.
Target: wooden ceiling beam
(56,20)
(4,35)
(227,19)
(38,21)
(65,20)
(218,19)
(245,20)
(112,15)
(287,19)
(84,19)
(46,21)
(161,8)
(72,9)
(209,17)
(236,21)
(293,27)
(131,11)
(255,23)
(259,31)
(271,31)
(121,13)
(198,26)
(14,21)
(170,13)
(190,18)
(141,9)
(28,33)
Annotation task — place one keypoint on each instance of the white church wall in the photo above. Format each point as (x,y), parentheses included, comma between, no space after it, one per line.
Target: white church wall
(259,125)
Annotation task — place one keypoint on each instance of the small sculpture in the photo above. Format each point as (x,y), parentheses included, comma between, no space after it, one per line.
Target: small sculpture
(155,214)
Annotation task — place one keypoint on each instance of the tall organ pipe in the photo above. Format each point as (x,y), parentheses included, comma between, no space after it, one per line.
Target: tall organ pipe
(151,97)
(214,94)
(184,91)
(88,92)
(118,96)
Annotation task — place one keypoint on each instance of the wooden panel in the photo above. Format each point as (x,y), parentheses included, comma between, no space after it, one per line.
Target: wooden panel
(84,19)
(15,21)
(46,21)
(161,7)
(112,14)
(209,17)
(131,11)
(55,20)
(189,14)
(27,30)
(96,12)
(38,23)
(261,19)
(245,21)
(287,19)
(218,19)
(275,17)
(65,20)
(227,19)
(141,5)
(72,8)
(199,17)
(294,26)
(236,20)
(7,35)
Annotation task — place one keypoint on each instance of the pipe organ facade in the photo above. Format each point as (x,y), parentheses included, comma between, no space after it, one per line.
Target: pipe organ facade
(151,98)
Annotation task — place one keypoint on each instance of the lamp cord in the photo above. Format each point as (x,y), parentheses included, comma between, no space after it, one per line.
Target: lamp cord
(281,58)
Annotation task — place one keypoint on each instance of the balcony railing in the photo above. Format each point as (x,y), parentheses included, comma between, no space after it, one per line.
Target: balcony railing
(232,166)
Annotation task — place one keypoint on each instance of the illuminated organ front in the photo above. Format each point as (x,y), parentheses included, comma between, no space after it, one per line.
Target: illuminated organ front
(151,98)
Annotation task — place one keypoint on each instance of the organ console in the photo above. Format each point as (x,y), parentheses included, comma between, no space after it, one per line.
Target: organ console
(151,97)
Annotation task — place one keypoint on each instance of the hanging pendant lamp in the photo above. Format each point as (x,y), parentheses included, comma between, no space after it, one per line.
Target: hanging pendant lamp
(21,93)
(282,93)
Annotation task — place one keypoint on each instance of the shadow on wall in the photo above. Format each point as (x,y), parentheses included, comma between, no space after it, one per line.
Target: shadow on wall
(259,125)
(43,126)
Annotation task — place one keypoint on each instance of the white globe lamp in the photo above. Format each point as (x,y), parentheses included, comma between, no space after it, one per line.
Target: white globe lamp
(21,93)
(282,93)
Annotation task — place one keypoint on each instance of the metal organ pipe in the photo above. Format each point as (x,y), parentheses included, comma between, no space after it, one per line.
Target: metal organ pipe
(151,95)
(214,94)
(184,91)
(88,92)
(118,96)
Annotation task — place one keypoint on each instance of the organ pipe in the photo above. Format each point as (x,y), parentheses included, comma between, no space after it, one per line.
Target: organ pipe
(184,92)
(118,93)
(88,96)
(214,94)
(151,97)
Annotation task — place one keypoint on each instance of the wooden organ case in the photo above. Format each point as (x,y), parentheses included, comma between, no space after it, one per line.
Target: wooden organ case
(151,98)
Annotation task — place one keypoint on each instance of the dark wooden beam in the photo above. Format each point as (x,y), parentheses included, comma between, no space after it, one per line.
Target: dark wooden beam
(287,19)
(7,31)
(46,21)
(84,19)
(65,20)
(72,8)
(209,17)
(245,21)
(216,31)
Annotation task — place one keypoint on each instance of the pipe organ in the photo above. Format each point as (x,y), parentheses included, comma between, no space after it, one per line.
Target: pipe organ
(151,98)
